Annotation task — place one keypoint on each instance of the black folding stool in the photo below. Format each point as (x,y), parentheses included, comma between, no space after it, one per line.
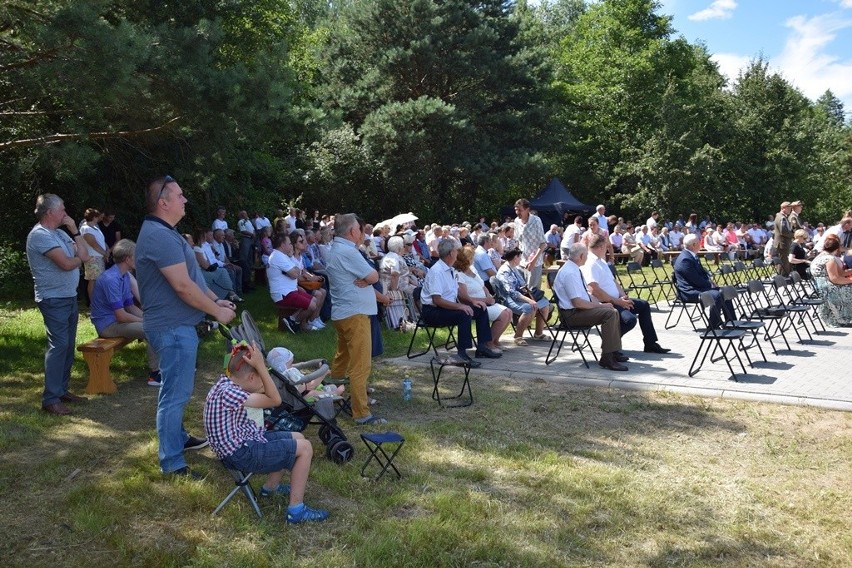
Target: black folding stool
(374,444)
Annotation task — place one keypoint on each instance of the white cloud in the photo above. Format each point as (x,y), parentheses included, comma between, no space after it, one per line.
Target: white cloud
(846,3)
(719,10)
(730,64)
(806,61)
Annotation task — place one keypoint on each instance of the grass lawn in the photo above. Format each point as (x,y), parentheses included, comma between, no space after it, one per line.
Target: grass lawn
(533,474)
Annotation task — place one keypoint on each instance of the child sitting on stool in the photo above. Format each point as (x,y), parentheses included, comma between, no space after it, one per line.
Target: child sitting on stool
(243,445)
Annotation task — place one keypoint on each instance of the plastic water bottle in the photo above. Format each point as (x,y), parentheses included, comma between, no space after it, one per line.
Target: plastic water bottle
(406,389)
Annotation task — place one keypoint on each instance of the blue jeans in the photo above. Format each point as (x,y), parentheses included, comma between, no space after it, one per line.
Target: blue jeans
(60,323)
(279,452)
(178,350)
(641,314)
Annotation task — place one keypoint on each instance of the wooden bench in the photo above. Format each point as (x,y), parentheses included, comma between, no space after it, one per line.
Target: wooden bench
(98,355)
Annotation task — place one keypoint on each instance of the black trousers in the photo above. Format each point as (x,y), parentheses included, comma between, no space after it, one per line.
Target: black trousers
(434,315)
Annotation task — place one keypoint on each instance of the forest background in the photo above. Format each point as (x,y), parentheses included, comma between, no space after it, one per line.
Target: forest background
(451,109)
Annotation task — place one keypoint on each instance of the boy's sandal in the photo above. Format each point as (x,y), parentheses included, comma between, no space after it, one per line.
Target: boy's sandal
(371,420)
(521,341)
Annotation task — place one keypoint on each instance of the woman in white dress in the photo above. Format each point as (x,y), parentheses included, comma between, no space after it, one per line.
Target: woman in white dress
(472,289)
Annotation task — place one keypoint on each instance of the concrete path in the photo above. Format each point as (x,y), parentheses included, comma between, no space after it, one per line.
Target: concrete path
(813,373)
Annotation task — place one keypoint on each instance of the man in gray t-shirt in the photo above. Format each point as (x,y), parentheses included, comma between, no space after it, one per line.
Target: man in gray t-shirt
(55,260)
(174,299)
(353,301)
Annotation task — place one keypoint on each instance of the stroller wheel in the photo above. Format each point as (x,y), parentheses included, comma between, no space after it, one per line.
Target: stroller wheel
(325,434)
(340,452)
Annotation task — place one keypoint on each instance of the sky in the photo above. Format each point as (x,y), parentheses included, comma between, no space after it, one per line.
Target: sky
(808,42)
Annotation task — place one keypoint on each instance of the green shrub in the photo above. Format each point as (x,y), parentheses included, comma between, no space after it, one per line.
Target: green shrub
(15,278)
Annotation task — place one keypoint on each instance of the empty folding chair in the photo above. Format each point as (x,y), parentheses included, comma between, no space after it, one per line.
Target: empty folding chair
(639,283)
(722,340)
(754,327)
(806,294)
(759,308)
(663,281)
(798,312)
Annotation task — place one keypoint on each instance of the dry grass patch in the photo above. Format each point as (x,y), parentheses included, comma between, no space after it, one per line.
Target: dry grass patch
(533,474)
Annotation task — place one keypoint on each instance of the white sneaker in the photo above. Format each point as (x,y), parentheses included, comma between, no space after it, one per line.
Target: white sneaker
(317,323)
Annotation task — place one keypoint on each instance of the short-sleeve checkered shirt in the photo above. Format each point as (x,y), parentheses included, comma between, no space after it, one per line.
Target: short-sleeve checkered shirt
(225,419)
(530,237)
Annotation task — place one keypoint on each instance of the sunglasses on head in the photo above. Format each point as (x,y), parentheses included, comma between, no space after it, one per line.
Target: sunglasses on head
(166,181)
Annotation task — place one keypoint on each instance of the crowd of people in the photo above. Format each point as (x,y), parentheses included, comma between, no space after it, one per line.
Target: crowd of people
(340,269)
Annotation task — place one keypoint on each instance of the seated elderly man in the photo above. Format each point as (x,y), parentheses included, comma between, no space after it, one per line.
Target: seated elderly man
(441,305)
(482,262)
(603,286)
(692,279)
(222,259)
(577,307)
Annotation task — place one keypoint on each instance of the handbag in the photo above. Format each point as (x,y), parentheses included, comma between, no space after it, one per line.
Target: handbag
(534,293)
(310,284)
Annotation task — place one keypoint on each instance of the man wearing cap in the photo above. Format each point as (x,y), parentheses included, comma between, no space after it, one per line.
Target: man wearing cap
(795,222)
(783,236)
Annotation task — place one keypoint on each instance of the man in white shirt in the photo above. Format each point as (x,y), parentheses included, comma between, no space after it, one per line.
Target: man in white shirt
(651,223)
(442,307)
(571,235)
(261,221)
(234,271)
(531,240)
(603,286)
(482,262)
(600,215)
(578,308)
(291,220)
(219,222)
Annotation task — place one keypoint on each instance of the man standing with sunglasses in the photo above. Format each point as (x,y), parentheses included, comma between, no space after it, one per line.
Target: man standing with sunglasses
(174,299)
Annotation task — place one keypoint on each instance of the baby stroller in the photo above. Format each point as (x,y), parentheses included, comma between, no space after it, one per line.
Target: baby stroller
(294,404)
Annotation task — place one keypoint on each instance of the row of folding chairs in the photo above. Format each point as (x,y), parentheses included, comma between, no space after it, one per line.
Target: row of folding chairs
(764,312)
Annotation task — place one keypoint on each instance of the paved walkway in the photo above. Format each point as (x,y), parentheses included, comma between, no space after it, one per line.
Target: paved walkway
(813,373)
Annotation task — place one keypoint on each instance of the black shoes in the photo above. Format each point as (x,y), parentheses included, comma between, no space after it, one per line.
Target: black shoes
(655,348)
(468,361)
(488,353)
(608,362)
(620,357)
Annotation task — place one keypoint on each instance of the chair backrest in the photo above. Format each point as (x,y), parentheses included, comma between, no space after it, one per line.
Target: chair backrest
(729,292)
(634,267)
(707,299)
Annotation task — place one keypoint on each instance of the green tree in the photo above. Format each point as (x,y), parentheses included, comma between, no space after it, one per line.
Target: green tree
(444,98)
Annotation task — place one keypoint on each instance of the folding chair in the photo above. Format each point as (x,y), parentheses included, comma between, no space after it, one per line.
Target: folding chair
(241,481)
(663,280)
(758,307)
(576,332)
(687,306)
(638,282)
(797,312)
(431,332)
(800,293)
(374,443)
(730,293)
(717,337)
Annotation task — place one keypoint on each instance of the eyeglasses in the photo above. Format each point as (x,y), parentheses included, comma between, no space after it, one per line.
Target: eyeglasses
(166,181)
